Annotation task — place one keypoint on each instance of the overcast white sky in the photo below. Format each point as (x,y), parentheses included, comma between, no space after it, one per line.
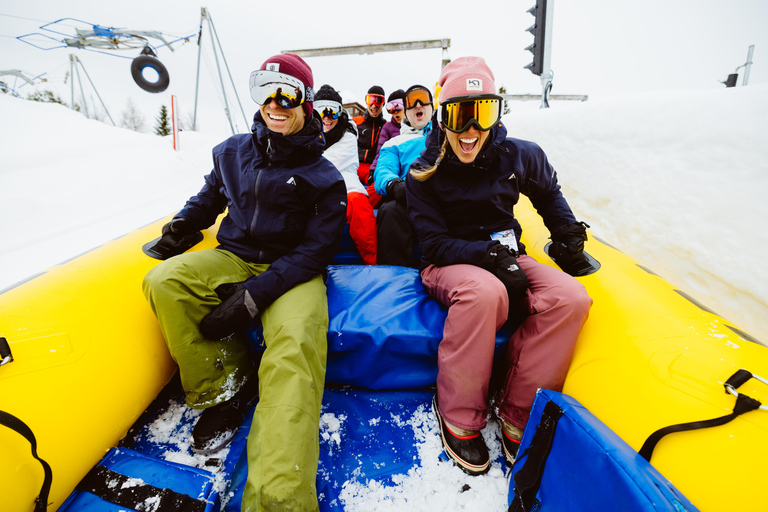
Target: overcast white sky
(599,48)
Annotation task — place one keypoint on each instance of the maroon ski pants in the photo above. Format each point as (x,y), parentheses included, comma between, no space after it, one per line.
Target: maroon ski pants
(538,354)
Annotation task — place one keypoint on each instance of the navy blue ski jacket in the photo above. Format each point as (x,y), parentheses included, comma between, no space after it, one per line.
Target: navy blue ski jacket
(457,209)
(286,205)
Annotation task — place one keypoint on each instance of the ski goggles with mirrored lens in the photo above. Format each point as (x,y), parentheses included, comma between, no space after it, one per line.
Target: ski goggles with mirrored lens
(395,105)
(374,99)
(288,91)
(481,110)
(328,108)
(415,96)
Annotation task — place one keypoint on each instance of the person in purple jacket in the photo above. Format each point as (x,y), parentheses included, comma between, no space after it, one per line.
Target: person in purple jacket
(391,129)
(461,194)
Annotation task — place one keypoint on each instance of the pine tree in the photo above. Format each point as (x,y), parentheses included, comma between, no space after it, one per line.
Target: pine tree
(162,127)
(503,90)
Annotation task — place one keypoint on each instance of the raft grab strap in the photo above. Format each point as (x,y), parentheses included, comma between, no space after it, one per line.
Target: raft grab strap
(5,352)
(743,404)
(135,493)
(528,479)
(14,423)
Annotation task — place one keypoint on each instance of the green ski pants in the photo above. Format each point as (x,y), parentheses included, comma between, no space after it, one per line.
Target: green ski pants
(283,447)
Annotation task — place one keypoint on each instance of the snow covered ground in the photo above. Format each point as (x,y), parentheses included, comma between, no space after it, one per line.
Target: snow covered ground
(676,180)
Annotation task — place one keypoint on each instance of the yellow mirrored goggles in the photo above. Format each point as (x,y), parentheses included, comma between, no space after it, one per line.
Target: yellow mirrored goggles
(481,110)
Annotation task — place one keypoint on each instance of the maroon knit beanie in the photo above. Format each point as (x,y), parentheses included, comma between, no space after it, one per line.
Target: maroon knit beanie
(292,64)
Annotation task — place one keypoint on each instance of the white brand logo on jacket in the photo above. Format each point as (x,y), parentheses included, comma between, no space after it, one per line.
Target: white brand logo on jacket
(291,181)
(474,84)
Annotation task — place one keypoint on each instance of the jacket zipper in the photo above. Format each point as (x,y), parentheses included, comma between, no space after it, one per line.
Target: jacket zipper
(256,192)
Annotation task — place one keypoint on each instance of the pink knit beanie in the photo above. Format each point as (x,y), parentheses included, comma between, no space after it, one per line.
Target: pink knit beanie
(465,76)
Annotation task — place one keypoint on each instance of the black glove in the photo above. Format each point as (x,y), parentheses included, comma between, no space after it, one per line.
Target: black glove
(500,262)
(567,247)
(396,190)
(179,227)
(236,312)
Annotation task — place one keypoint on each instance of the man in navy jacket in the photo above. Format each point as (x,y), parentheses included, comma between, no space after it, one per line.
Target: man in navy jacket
(286,210)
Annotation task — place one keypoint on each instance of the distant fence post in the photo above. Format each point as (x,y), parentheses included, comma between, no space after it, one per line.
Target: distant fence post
(175,121)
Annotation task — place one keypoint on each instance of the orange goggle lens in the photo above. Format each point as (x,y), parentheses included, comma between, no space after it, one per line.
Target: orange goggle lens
(417,96)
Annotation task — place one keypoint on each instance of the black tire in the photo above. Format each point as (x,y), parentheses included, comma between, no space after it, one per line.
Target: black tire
(143,61)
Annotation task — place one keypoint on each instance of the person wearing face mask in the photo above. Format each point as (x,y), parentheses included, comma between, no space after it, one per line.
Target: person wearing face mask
(461,194)
(369,127)
(395,229)
(285,207)
(341,150)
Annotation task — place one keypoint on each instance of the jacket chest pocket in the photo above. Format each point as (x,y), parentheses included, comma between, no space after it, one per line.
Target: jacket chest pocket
(505,192)
(288,213)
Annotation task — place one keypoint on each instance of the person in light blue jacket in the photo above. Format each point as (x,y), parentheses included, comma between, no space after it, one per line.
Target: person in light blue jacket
(396,234)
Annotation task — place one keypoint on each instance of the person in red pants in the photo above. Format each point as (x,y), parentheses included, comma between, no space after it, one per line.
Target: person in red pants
(341,149)
(461,194)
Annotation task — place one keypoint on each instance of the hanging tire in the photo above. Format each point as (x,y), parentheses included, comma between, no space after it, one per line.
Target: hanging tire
(145,61)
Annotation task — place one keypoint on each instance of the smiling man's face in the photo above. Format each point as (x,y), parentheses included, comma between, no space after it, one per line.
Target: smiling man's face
(283,120)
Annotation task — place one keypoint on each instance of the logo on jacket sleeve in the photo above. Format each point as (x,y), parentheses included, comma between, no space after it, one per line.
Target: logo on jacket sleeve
(291,181)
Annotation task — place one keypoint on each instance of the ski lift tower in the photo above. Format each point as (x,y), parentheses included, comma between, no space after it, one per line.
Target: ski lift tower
(205,15)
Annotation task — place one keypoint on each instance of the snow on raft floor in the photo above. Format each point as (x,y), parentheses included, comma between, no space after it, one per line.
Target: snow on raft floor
(426,482)
(379,451)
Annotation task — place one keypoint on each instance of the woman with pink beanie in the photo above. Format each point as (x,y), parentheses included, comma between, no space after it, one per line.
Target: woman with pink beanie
(461,194)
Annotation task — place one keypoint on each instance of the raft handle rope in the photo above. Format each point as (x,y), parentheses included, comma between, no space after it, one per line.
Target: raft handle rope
(5,352)
(15,424)
(743,405)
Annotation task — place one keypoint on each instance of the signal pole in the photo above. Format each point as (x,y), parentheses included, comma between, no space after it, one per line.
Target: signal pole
(542,45)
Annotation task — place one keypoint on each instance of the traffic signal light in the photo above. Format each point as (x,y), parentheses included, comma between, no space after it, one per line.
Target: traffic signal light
(540,36)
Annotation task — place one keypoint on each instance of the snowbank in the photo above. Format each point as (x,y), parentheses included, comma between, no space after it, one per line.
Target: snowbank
(677,180)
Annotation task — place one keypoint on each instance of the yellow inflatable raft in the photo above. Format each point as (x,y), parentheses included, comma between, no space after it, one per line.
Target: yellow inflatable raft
(650,357)
(88,358)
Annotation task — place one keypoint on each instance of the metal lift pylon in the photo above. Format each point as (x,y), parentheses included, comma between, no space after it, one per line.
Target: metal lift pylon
(73,61)
(205,15)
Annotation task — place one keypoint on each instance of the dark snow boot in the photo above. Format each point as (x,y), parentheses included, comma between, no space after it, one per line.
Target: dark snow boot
(218,424)
(469,452)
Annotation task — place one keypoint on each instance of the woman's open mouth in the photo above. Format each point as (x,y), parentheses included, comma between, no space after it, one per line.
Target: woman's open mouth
(468,145)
